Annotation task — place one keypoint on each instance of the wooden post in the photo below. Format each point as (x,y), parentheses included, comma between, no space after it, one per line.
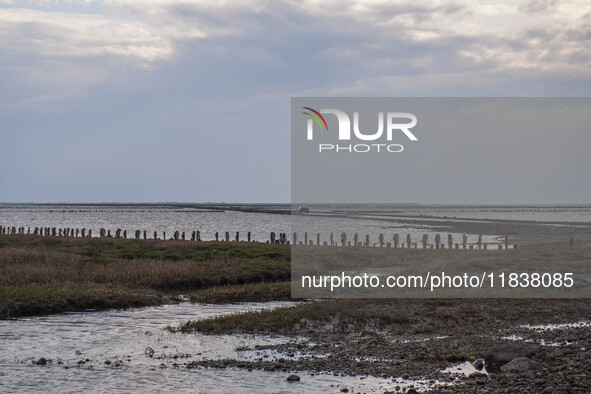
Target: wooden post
(138,234)
(356,239)
(294,238)
(396,240)
(183,236)
(450,241)
(425,241)
(480,241)
(83,232)
(331,239)
(306,238)
(408,240)
(164,235)
(366,241)
(109,234)
(89,233)
(381,238)
(118,233)
(343,239)
(155,234)
(464,241)
(272,237)
(198,235)
(237,236)
(318,239)
(506,242)
(227,236)
(145,234)
(437,241)
(217,236)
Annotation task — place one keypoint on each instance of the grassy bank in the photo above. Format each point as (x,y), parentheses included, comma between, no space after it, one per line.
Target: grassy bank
(396,316)
(41,275)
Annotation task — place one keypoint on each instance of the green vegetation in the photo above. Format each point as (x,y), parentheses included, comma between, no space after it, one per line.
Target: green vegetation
(252,292)
(79,273)
(395,316)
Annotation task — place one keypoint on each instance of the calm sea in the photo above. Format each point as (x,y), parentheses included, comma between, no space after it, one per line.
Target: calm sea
(259,220)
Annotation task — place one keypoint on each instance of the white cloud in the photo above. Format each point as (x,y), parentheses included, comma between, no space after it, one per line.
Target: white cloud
(375,42)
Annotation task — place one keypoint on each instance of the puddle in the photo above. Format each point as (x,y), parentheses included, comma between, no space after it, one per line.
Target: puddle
(541,341)
(465,368)
(424,339)
(563,326)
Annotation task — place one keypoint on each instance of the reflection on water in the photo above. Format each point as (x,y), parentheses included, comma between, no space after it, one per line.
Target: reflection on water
(150,218)
(371,220)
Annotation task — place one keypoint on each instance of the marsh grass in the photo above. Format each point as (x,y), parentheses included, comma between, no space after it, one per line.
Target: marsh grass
(46,299)
(396,316)
(80,272)
(251,292)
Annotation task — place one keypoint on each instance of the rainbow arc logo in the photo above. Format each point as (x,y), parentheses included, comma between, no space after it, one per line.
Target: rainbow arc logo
(316,117)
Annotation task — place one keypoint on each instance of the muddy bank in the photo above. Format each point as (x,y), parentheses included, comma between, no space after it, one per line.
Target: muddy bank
(418,339)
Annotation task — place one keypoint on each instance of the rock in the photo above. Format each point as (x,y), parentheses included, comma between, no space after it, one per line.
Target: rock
(503,354)
(293,378)
(42,361)
(521,365)
(411,391)
(548,390)
(478,364)
(345,390)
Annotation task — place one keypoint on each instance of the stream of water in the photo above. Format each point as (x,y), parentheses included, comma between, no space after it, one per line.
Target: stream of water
(110,351)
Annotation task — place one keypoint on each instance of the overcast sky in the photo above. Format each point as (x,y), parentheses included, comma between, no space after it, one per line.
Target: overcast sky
(151,101)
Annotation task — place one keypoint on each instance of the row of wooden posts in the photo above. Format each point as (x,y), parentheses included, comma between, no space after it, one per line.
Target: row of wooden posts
(438,243)
(279,238)
(138,234)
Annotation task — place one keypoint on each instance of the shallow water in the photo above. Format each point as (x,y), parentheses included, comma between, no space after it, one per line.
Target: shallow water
(466,369)
(79,344)
(371,220)
(150,218)
(558,326)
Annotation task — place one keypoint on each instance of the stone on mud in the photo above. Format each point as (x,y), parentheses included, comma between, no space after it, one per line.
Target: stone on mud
(502,354)
(521,365)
